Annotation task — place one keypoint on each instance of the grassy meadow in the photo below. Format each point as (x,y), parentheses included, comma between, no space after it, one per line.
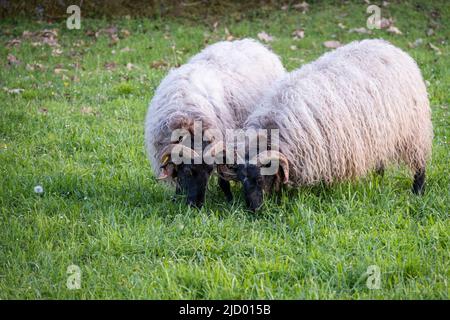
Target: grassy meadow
(72,110)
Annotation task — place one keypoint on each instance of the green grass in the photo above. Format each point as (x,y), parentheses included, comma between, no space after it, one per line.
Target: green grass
(104,211)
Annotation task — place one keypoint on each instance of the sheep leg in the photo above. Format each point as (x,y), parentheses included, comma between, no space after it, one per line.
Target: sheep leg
(226,188)
(380,169)
(177,193)
(419,182)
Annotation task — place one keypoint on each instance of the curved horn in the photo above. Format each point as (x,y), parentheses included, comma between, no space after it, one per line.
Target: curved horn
(225,172)
(267,156)
(166,153)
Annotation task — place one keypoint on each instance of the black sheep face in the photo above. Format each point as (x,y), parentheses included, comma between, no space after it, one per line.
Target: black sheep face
(255,184)
(192,180)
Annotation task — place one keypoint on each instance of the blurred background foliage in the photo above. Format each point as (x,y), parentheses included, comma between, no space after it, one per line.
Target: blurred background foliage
(195,9)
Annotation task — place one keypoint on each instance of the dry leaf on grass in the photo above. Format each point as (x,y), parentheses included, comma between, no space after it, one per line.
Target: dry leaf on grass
(110,65)
(13,91)
(56,52)
(361,30)
(89,111)
(12,60)
(35,66)
(159,64)
(394,30)
(263,36)
(298,34)
(125,33)
(13,43)
(113,39)
(436,49)
(59,70)
(303,6)
(332,44)
(385,23)
(229,36)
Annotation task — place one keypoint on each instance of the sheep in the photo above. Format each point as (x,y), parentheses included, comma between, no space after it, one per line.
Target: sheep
(217,89)
(355,109)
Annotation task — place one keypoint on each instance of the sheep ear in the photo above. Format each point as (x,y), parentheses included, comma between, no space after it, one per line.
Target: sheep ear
(168,171)
(267,156)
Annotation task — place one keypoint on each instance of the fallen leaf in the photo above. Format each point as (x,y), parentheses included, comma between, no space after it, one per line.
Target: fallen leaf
(158,64)
(394,30)
(110,65)
(108,31)
(13,43)
(43,110)
(385,23)
(229,36)
(48,36)
(59,70)
(341,25)
(298,34)
(14,91)
(56,52)
(12,60)
(89,111)
(332,44)
(90,33)
(125,33)
(436,49)
(303,7)
(263,36)
(114,39)
(361,30)
(34,66)
(79,43)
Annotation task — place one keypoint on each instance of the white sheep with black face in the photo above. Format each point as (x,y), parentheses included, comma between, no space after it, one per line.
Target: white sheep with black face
(220,86)
(358,108)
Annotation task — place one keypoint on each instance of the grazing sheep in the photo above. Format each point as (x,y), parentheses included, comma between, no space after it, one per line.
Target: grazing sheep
(353,110)
(220,86)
